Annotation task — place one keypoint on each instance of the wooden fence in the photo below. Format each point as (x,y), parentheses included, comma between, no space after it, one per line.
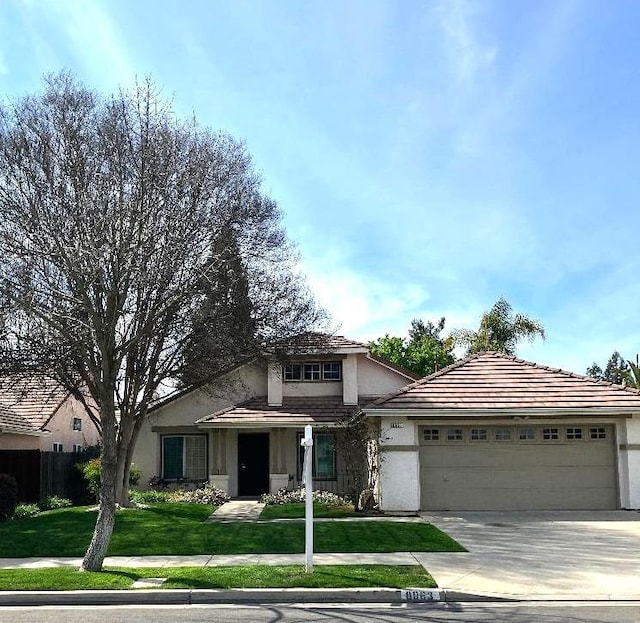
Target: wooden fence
(41,474)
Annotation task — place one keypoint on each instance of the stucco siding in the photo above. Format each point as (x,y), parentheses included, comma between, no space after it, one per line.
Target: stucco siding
(61,428)
(632,456)
(375,379)
(10,441)
(237,386)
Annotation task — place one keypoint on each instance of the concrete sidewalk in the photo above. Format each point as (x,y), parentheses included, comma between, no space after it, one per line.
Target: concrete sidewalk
(219,560)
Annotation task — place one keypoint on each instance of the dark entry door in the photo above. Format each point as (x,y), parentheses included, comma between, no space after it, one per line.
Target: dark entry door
(253,463)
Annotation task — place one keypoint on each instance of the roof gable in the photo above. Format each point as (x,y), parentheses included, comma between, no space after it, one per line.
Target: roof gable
(33,400)
(492,381)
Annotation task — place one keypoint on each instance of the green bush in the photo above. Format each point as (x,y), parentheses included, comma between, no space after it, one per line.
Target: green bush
(148,497)
(91,472)
(53,501)
(8,496)
(26,510)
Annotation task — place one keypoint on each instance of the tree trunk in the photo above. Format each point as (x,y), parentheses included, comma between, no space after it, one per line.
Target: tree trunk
(97,550)
(95,554)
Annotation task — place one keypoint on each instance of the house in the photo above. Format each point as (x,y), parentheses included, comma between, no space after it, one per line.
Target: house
(242,431)
(492,432)
(38,414)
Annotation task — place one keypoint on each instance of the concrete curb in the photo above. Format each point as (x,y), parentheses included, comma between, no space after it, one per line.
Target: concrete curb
(187,597)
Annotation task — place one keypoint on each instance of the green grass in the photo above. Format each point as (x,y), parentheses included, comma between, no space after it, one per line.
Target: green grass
(178,529)
(326,576)
(296,510)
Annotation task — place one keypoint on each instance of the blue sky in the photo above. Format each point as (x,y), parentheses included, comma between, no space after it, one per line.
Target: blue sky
(428,156)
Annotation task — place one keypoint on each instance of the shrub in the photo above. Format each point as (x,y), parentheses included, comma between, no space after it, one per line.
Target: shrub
(91,472)
(285,496)
(26,510)
(149,497)
(8,496)
(206,494)
(53,501)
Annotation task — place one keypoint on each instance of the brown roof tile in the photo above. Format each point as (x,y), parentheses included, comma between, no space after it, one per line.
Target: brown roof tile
(294,411)
(12,420)
(34,400)
(493,381)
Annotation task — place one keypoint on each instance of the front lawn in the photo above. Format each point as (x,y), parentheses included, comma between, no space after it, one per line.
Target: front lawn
(296,510)
(179,529)
(290,576)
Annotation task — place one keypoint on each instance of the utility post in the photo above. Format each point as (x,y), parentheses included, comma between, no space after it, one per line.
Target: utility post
(307,470)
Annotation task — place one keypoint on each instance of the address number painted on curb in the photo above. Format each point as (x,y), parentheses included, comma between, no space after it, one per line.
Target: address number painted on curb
(420,595)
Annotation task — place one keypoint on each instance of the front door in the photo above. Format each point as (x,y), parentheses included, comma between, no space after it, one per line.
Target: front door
(253,463)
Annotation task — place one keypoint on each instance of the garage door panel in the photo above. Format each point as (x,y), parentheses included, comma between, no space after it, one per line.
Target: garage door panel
(514,475)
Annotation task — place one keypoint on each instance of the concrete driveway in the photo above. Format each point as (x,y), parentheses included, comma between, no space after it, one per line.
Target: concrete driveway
(565,555)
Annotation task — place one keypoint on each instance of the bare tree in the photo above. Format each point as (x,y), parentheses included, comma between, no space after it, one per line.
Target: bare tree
(111,215)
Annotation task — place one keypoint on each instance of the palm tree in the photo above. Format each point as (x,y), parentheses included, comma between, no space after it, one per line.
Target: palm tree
(500,330)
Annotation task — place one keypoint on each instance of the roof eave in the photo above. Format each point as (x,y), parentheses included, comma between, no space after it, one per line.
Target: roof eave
(529,413)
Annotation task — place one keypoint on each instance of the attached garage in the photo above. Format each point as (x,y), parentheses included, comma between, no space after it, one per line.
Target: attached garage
(501,467)
(493,432)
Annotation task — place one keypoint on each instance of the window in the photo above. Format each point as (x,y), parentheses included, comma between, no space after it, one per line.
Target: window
(324,456)
(574,434)
(293,372)
(598,433)
(502,434)
(77,423)
(57,447)
(455,434)
(77,447)
(478,434)
(550,434)
(431,434)
(526,434)
(331,371)
(312,371)
(185,457)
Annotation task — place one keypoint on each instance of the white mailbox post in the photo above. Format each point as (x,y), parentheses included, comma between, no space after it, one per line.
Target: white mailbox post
(307,480)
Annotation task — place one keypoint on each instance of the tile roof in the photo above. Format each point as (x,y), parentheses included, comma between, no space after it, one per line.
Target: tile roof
(493,381)
(12,420)
(34,401)
(294,411)
(312,341)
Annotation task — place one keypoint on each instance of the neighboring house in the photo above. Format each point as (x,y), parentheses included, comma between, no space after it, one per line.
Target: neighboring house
(40,415)
(242,431)
(492,432)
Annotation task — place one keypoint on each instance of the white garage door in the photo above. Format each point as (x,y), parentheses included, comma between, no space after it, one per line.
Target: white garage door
(518,467)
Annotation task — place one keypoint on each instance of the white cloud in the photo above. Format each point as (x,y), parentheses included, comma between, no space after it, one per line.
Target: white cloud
(468,55)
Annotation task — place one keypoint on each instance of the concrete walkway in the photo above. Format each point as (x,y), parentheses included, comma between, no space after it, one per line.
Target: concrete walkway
(539,555)
(238,510)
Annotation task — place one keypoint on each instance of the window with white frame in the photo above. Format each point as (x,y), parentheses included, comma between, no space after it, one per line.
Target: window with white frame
(184,457)
(526,433)
(478,434)
(77,447)
(77,423)
(57,447)
(324,456)
(502,434)
(598,432)
(431,434)
(573,433)
(550,434)
(455,434)
(312,371)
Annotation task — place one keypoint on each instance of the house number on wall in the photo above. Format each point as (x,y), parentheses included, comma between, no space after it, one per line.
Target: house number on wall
(397,425)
